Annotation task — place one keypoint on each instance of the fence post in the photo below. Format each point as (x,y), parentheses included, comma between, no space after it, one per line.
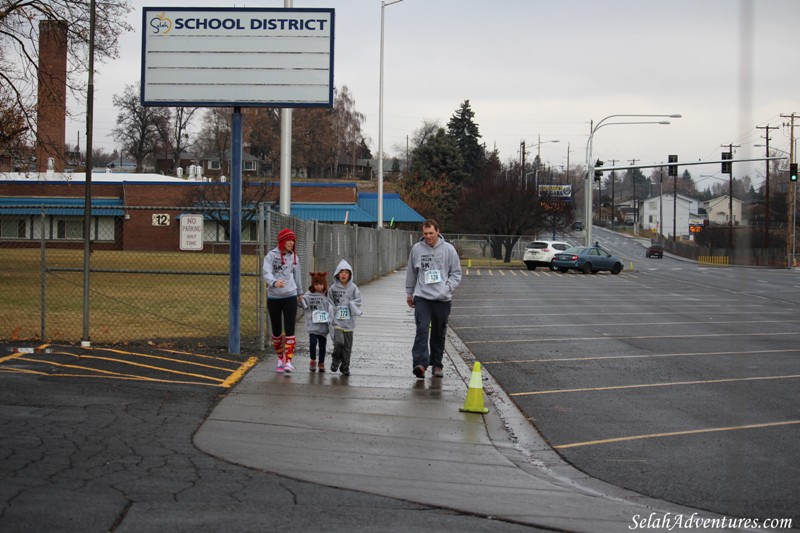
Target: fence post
(262,338)
(355,254)
(43,281)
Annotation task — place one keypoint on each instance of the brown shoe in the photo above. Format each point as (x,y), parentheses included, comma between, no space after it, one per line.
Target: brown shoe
(419,371)
(438,372)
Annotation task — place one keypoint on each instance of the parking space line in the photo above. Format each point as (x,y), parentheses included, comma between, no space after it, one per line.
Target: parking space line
(159,357)
(120,361)
(637,356)
(627,337)
(624,324)
(674,434)
(12,356)
(240,372)
(228,371)
(653,385)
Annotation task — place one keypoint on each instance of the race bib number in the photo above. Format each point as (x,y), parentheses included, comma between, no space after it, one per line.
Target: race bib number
(319,317)
(343,313)
(432,276)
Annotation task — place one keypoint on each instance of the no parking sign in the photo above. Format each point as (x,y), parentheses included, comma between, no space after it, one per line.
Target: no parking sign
(192,232)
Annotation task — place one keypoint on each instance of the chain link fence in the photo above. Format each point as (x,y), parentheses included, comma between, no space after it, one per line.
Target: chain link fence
(142,286)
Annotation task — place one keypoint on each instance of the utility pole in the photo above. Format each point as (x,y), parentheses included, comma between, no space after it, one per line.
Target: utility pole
(522,151)
(635,201)
(766,194)
(613,161)
(790,240)
(730,148)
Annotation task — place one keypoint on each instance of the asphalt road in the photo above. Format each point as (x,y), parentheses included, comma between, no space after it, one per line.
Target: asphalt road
(677,382)
(101,441)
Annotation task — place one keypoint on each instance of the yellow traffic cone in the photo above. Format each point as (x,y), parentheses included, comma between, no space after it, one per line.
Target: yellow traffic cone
(474,401)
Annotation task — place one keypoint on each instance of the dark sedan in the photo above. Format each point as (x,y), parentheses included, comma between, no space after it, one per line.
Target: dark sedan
(587,259)
(655,250)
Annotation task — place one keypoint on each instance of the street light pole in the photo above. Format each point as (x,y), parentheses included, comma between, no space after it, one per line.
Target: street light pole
(380,121)
(590,168)
(538,163)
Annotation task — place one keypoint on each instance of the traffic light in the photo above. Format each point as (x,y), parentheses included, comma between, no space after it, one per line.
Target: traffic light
(598,174)
(726,167)
(672,169)
(793,171)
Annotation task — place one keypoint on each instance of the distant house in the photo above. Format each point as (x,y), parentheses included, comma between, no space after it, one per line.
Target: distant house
(359,169)
(213,167)
(662,215)
(719,210)
(166,165)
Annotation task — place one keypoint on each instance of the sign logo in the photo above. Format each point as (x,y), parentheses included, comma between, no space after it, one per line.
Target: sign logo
(161,24)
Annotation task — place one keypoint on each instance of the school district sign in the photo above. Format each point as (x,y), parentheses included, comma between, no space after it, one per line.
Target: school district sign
(237,57)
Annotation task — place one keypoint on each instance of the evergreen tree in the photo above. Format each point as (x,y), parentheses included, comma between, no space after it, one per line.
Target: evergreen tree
(434,183)
(463,129)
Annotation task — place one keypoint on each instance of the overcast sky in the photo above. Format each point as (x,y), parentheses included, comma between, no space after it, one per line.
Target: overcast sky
(544,69)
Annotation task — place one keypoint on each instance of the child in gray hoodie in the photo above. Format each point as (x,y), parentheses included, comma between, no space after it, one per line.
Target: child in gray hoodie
(344,305)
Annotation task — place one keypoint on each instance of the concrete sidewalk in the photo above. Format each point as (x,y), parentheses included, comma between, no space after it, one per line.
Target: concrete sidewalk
(382,431)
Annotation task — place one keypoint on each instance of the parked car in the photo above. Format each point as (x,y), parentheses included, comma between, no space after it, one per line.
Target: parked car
(587,259)
(655,250)
(577,226)
(540,253)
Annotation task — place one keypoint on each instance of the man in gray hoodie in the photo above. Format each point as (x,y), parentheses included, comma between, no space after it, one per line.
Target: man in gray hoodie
(434,272)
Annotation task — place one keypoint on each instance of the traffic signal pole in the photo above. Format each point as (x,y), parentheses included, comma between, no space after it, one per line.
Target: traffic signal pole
(790,238)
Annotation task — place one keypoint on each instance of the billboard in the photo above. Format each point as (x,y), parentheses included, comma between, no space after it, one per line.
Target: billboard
(229,57)
(555,192)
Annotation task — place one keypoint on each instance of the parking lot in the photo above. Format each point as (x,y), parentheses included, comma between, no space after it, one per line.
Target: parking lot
(674,381)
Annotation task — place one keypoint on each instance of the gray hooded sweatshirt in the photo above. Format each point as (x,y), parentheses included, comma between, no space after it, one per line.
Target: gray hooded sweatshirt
(344,301)
(433,272)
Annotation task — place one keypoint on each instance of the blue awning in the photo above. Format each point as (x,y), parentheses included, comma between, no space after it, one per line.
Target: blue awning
(73,206)
(332,213)
(393,207)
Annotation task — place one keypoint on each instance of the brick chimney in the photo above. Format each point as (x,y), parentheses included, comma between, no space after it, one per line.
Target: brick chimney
(52,102)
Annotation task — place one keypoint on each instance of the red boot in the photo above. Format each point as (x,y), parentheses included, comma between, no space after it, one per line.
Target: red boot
(288,353)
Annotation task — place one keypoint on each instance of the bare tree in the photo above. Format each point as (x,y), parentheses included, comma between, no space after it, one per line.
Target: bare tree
(215,199)
(347,125)
(19,36)
(173,132)
(137,125)
(216,134)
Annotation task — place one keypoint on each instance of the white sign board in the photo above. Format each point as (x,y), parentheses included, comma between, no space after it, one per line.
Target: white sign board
(191,232)
(264,57)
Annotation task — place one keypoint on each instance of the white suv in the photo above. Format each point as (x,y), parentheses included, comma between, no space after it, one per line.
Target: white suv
(540,253)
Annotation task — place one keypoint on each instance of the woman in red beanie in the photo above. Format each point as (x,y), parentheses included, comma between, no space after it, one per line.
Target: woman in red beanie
(281,271)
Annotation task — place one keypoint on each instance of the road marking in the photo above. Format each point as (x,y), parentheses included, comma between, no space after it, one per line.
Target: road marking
(674,434)
(628,337)
(10,357)
(613,324)
(231,375)
(652,385)
(121,361)
(638,356)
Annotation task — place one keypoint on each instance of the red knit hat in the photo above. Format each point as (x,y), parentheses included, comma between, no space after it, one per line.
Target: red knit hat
(287,235)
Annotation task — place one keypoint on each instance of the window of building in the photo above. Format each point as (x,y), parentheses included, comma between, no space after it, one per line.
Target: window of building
(214,165)
(250,165)
(69,229)
(13,228)
(249,231)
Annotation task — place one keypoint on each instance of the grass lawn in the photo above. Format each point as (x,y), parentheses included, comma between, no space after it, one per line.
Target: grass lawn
(189,300)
